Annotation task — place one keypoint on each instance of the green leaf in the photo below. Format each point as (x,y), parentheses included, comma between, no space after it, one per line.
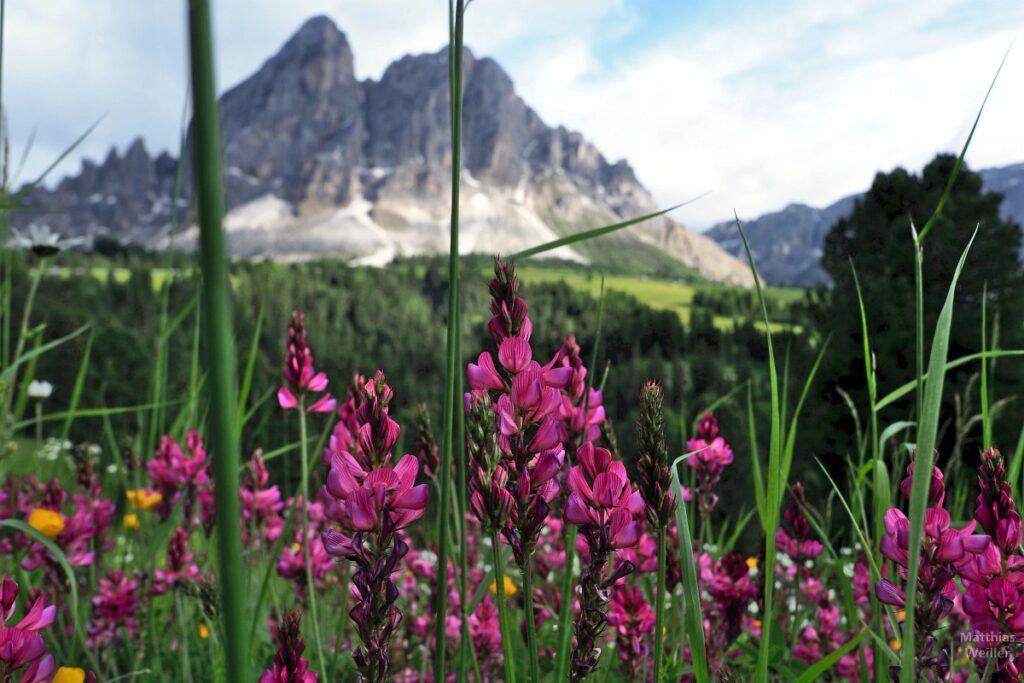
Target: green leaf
(905,389)
(8,372)
(585,235)
(76,393)
(691,593)
(960,159)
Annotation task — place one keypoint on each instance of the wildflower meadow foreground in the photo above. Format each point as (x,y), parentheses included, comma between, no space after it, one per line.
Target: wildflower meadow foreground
(516,538)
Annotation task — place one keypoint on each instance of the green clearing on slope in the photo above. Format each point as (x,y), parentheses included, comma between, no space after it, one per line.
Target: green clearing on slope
(658,293)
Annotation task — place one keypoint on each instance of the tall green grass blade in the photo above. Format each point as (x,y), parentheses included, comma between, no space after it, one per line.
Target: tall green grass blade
(918,324)
(880,491)
(776,483)
(76,392)
(9,372)
(1015,464)
(456,10)
(220,355)
(891,431)
(790,444)
(963,152)
(88,412)
(27,189)
(593,233)
(905,389)
(30,374)
(755,460)
(926,438)
(250,364)
(694,616)
(986,416)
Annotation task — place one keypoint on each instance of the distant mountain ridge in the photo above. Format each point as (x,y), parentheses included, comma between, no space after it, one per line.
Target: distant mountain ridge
(787,244)
(320,163)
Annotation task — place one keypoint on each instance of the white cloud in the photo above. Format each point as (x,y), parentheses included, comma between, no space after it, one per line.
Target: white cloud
(803,106)
(772,105)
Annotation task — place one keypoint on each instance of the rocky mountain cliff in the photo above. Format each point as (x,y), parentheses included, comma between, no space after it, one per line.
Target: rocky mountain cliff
(319,163)
(787,244)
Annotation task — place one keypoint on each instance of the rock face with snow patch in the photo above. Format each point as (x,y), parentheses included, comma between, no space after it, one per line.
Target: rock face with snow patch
(318,163)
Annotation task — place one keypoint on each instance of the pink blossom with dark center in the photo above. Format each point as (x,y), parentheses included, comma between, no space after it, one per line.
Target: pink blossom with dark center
(23,655)
(301,378)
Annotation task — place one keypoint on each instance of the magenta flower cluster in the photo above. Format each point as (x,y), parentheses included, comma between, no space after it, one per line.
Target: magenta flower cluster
(369,499)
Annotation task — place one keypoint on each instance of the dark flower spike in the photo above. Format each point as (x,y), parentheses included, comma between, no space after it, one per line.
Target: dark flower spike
(652,458)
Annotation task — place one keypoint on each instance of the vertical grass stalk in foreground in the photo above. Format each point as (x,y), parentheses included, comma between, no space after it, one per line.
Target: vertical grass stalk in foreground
(986,417)
(927,434)
(219,342)
(880,475)
(776,481)
(456,12)
(310,588)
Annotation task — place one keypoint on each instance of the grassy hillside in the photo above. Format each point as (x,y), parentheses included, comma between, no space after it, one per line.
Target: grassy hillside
(657,293)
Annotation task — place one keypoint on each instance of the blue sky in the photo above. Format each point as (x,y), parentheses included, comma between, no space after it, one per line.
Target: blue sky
(760,103)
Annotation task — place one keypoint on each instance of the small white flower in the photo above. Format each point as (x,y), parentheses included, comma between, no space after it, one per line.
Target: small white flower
(112,468)
(39,389)
(43,241)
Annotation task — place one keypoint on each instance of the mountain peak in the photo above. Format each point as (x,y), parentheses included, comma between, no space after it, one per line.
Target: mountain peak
(318,163)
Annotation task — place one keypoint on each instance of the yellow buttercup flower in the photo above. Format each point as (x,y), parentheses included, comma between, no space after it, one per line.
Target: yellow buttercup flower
(131,520)
(895,645)
(69,674)
(901,615)
(143,499)
(204,631)
(510,587)
(46,522)
(751,562)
